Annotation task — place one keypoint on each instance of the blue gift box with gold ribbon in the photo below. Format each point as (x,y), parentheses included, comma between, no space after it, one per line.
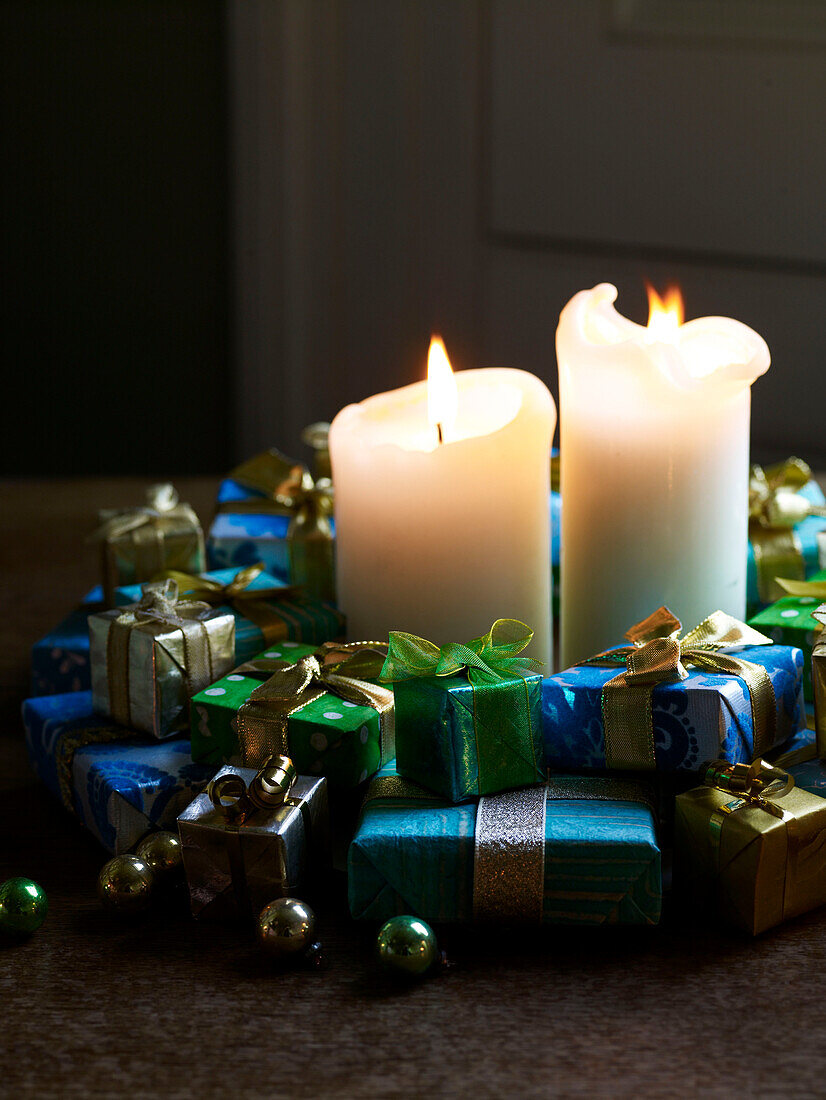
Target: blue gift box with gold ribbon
(674,724)
(116,782)
(60,659)
(787,511)
(579,851)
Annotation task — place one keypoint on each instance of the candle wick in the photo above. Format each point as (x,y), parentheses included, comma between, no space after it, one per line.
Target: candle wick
(439,431)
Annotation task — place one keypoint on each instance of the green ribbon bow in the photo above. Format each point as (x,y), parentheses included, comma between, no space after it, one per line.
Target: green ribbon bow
(487,660)
(503,751)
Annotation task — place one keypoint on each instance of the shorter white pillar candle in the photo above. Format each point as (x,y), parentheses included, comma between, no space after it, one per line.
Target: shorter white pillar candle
(442,538)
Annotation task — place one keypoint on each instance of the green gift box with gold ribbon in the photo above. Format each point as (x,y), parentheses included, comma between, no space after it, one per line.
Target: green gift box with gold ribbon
(750,845)
(468,717)
(791,621)
(317,705)
(579,851)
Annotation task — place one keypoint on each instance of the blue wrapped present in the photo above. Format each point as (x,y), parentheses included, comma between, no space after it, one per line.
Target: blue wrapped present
(707,716)
(60,660)
(779,546)
(296,618)
(119,784)
(585,852)
(270,509)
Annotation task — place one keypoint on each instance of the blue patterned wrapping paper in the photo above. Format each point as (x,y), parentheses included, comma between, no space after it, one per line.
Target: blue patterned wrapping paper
(60,660)
(121,789)
(706,717)
(807,532)
(602,861)
(243,538)
(309,621)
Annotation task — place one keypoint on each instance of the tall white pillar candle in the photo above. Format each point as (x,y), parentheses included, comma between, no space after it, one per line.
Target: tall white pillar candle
(654,468)
(442,538)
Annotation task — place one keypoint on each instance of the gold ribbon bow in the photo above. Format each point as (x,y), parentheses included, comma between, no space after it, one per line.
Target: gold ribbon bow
(250,603)
(159,605)
(267,790)
(757,784)
(776,506)
(262,721)
(658,655)
(149,525)
(289,489)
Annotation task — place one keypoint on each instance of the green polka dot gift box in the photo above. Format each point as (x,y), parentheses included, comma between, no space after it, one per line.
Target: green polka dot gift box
(328,735)
(789,622)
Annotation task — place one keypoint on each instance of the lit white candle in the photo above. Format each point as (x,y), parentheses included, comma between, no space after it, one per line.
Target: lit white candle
(654,467)
(442,519)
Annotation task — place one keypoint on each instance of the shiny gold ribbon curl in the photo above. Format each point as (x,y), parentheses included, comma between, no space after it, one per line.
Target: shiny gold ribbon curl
(289,489)
(776,506)
(250,603)
(658,655)
(159,605)
(262,721)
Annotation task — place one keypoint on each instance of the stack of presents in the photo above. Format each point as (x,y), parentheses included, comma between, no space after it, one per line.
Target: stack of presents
(488,788)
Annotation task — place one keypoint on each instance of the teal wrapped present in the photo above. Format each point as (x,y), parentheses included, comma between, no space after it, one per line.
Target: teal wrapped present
(576,851)
(787,512)
(468,717)
(266,610)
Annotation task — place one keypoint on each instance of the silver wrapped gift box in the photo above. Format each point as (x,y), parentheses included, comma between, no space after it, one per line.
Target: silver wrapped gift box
(147,660)
(237,864)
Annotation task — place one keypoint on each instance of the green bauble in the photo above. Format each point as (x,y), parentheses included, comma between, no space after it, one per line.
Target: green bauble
(161,852)
(407,945)
(23,906)
(285,927)
(125,884)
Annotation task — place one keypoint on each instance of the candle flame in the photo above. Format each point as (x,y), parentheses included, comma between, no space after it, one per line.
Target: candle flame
(442,395)
(666,314)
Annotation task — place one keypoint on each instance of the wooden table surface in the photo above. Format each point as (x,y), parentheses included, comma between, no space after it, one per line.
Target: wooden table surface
(164,1006)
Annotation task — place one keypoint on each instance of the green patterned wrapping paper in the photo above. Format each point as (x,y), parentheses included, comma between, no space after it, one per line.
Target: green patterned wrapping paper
(462,741)
(789,622)
(416,855)
(328,737)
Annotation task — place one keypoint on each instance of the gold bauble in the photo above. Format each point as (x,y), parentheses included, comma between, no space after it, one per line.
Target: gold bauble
(285,927)
(125,884)
(161,852)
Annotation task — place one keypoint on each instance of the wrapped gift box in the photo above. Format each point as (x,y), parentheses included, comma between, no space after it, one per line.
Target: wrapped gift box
(118,784)
(754,866)
(789,622)
(297,619)
(60,660)
(414,853)
(329,736)
(705,717)
(449,741)
(234,867)
(169,538)
(157,667)
(807,536)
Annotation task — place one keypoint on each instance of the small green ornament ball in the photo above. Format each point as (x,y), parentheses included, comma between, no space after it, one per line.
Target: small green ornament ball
(407,945)
(23,906)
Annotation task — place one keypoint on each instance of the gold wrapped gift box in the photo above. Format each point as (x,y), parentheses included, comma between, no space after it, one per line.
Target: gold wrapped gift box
(752,845)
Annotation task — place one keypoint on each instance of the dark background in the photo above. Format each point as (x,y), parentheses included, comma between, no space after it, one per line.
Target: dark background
(224,220)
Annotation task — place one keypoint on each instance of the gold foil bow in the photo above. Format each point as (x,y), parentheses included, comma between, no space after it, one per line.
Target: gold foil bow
(757,784)
(289,489)
(658,655)
(776,506)
(262,721)
(251,603)
(267,790)
(159,606)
